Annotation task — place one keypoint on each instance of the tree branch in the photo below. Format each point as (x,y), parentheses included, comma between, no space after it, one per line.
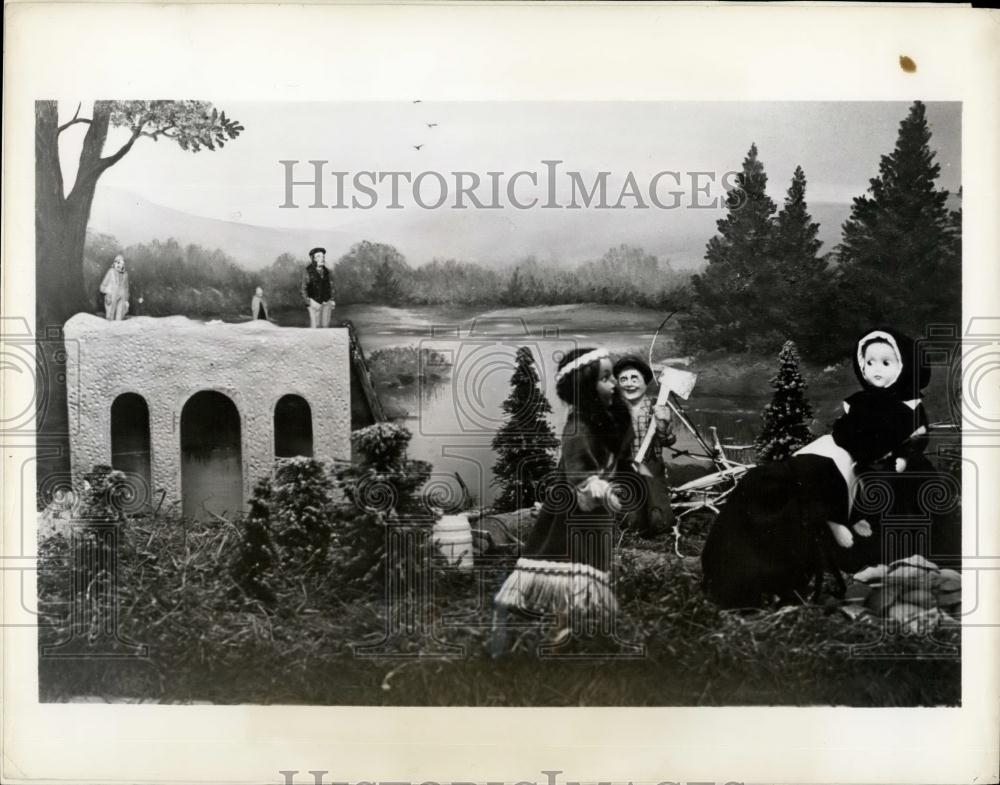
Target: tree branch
(154,135)
(76,119)
(110,161)
(64,126)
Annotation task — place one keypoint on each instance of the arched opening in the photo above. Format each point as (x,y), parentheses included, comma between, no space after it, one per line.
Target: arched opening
(293,431)
(211,457)
(130,448)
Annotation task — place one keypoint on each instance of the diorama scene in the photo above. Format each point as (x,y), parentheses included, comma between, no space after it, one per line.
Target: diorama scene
(499,404)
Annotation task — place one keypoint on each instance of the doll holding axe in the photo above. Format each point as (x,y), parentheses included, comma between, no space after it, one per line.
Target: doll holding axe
(652,424)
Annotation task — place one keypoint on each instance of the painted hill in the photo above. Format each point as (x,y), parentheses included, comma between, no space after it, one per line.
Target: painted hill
(490,238)
(132,219)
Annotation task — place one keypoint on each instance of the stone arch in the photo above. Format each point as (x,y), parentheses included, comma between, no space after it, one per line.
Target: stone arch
(211,456)
(130,447)
(293,430)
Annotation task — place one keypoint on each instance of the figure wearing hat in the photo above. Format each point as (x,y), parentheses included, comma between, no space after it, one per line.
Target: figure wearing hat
(634,376)
(317,289)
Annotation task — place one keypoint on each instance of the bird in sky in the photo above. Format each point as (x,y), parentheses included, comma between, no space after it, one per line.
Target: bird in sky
(417,101)
(432,125)
(417,146)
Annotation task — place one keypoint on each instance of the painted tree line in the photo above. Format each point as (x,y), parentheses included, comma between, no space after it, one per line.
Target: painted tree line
(197,281)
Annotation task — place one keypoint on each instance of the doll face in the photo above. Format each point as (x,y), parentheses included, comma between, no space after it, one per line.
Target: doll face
(632,384)
(259,292)
(120,263)
(605,382)
(881,366)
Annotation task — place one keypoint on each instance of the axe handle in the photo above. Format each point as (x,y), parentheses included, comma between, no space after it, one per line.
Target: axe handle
(662,397)
(646,441)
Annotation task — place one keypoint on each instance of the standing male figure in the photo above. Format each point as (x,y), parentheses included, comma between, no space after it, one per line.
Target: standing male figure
(317,289)
(114,287)
(634,376)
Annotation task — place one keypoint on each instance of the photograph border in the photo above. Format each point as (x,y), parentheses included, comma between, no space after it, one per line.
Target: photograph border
(563,51)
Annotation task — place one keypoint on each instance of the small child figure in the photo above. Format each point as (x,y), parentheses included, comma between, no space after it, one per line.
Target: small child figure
(258,305)
(634,375)
(885,419)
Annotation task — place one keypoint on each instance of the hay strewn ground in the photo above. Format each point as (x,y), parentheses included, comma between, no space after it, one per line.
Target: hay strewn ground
(207,641)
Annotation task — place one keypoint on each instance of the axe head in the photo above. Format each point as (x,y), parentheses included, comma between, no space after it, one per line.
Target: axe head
(677,381)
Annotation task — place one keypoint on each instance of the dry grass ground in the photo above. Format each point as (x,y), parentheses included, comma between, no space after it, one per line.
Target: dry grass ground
(208,642)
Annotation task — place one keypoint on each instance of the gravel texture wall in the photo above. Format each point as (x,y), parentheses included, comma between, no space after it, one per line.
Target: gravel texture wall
(167,360)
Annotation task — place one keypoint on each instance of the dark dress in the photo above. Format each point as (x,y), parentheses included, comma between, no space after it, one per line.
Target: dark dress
(877,423)
(566,561)
(906,510)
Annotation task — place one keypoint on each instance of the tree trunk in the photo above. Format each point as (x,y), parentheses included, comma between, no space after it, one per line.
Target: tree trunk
(60,234)
(60,221)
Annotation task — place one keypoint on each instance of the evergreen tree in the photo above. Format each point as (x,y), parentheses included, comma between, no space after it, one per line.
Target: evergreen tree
(728,295)
(785,420)
(898,259)
(803,287)
(525,443)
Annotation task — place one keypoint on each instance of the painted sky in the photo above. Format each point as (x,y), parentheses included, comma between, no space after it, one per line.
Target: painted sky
(837,144)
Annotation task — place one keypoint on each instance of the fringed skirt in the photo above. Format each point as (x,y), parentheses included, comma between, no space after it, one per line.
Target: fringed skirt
(537,586)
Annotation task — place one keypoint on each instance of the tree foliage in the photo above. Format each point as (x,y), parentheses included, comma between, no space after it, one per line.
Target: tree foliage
(900,256)
(356,273)
(785,420)
(899,261)
(802,286)
(193,280)
(730,294)
(192,125)
(173,279)
(525,443)
(386,286)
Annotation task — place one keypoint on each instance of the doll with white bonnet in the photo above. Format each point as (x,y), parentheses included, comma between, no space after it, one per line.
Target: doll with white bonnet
(885,420)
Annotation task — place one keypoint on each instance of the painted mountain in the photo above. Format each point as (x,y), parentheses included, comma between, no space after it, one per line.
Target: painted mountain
(489,238)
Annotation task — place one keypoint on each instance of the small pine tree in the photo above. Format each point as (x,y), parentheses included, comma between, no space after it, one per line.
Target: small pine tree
(525,443)
(289,523)
(785,419)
